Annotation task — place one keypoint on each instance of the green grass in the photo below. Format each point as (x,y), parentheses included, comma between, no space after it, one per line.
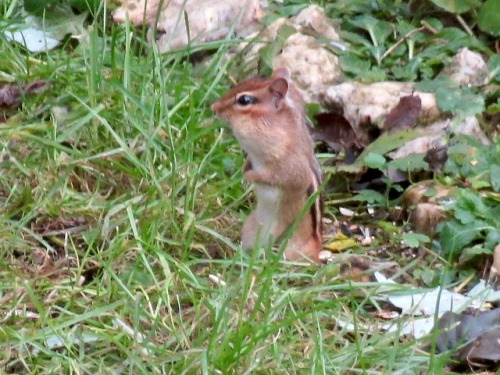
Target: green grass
(119,196)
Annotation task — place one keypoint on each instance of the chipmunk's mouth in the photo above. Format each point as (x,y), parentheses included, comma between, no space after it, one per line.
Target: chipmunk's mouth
(213,107)
(222,117)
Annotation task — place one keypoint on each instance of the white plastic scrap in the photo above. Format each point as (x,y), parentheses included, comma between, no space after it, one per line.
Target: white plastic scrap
(33,39)
(425,302)
(427,305)
(484,293)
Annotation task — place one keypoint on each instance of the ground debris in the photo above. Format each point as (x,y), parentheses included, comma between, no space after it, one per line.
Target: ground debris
(11,94)
(476,336)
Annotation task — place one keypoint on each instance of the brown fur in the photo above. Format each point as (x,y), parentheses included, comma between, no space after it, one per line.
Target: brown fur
(281,162)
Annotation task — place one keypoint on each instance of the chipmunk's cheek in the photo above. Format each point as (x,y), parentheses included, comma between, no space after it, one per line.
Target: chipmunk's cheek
(239,128)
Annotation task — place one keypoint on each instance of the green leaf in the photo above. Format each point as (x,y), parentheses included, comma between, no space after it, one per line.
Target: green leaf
(493,108)
(378,30)
(492,239)
(366,22)
(494,65)
(434,22)
(495,177)
(488,18)
(377,52)
(435,84)
(454,236)
(382,30)
(370,196)
(469,207)
(477,183)
(403,27)
(353,64)
(413,240)
(463,102)
(409,163)
(387,142)
(374,160)
(375,74)
(405,73)
(470,253)
(428,276)
(456,6)
(85,5)
(430,191)
(388,227)
(286,9)
(354,38)
(37,6)
(452,40)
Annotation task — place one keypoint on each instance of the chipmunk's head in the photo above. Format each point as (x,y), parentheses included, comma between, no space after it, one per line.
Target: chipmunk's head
(261,107)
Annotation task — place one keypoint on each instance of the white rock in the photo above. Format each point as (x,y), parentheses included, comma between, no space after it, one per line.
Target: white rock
(467,68)
(364,103)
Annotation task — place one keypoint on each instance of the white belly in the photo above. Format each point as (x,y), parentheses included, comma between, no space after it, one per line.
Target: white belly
(266,211)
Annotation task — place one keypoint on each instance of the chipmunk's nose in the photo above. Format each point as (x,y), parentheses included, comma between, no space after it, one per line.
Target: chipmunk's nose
(213,107)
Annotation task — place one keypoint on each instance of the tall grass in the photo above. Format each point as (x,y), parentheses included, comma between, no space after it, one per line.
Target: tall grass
(120,207)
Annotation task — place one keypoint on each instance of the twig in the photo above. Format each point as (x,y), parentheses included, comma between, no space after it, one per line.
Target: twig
(464,25)
(429,27)
(401,40)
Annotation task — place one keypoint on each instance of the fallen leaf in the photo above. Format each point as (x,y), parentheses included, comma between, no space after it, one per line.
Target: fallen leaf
(386,143)
(41,34)
(33,39)
(333,129)
(340,242)
(480,333)
(484,292)
(10,94)
(436,157)
(425,217)
(422,201)
(414,301)
(404,115)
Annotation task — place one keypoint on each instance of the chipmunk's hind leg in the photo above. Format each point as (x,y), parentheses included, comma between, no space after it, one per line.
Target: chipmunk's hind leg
(249,231)
(307,251)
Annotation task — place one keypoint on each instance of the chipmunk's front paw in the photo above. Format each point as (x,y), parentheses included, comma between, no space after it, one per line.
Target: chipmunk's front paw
(252,177)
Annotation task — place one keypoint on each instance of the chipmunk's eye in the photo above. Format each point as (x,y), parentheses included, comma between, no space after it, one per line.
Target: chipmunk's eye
(245,100)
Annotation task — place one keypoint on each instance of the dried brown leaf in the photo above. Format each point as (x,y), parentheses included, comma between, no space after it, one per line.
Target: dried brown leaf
(421,193)
(404,115)
(11,94)
(425,217)
(333,129)
(480,333)
(422,200)
(436,157)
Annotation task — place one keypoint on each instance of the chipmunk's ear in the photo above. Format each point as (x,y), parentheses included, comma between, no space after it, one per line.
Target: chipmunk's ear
(282,72)
(278,89)
(279,85)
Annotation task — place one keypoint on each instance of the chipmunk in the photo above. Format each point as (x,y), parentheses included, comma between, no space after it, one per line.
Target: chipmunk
(267,117)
